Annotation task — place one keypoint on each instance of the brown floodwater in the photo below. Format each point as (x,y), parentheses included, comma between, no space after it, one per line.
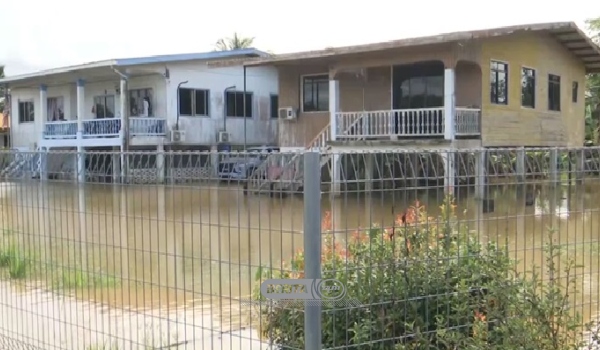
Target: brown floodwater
(172,247)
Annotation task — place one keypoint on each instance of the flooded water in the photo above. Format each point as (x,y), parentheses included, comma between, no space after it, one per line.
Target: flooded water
(198,247)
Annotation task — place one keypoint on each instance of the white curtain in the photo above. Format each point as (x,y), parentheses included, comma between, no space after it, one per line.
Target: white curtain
(55,109)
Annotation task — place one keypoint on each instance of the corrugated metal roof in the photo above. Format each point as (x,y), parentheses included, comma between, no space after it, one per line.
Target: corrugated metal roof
(567,33)
(125,62)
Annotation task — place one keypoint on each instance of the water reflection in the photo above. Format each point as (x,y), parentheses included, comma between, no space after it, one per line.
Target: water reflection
(173,246)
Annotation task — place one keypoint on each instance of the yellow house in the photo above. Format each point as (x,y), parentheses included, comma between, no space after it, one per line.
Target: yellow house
(504,87)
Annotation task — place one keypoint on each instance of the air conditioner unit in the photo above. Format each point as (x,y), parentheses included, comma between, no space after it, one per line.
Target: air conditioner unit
(177,136)
(223,137)
(287,113)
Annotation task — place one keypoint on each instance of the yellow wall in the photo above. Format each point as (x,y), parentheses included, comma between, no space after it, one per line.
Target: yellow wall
(513,125)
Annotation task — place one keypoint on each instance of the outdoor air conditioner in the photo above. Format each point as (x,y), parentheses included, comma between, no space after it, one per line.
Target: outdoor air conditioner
(223,137)
(287,113)
(177,136)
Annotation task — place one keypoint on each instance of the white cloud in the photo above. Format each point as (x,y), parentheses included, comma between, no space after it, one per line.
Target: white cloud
(39,34)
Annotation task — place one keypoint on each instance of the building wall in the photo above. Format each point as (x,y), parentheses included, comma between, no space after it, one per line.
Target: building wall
(513,125)
(260,81)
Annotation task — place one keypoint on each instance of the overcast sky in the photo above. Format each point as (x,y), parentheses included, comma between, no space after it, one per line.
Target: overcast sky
(38,34)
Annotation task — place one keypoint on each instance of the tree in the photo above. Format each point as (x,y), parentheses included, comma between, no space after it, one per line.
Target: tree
(592,94)
(234,43)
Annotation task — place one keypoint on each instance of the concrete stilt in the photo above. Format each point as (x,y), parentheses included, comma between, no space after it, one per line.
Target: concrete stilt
(449,172)
(554,173)
(80,164)
(480,173)
(521,165)
(579,166)
(160,163)
(336,175)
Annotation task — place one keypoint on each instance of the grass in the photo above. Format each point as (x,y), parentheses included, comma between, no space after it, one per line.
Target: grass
(17,263)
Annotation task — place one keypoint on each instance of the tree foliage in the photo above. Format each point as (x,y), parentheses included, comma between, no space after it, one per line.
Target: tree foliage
(235,42)
(592,95)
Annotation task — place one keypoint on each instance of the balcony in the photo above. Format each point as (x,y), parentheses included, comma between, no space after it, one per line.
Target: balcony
(104,128)
(148,126)
(405,123)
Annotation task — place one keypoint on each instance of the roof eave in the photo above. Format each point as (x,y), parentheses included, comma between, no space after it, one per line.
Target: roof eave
(56,71)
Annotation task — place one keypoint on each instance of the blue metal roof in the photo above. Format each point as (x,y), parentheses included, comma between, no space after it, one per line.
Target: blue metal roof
(124,62)
(249,52)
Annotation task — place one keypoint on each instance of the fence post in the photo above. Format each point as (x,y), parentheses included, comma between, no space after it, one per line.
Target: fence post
(312,246)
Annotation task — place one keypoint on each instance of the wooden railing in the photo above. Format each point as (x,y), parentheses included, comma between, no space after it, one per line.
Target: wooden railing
(423,122)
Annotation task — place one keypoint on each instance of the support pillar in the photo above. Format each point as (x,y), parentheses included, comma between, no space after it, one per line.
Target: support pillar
(480,173)
(336,174)
(44,106)
(449,172)
(369,182)
(160,163)
(334,107)
(214,161)
(449,103)
(415,162)
(521,165)
(579,166)
(116,165)
(80,117)
(554,166)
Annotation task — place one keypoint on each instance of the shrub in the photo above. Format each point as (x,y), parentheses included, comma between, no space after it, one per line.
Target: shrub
(423,283)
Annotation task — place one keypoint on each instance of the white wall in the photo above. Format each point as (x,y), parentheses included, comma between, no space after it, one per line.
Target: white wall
(261,81)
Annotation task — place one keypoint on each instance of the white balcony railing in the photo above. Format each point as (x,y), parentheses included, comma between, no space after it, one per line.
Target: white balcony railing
(423,122)
(101,127)
(60,130)
(467,121)
(147,126)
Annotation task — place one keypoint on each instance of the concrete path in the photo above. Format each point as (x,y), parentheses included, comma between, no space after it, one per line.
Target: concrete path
(38,319)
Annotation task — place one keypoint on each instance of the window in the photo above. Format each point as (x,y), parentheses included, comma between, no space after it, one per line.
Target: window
(499,83)
(234,106)
(315,93)
(528,87)
(418,85)
(104,106)
(140,103)
(553,92)
(574,91)
(56,109)
(274,106)
(194,102)
(26,112)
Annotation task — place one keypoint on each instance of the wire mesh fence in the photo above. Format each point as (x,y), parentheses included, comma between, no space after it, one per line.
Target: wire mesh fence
(336,250)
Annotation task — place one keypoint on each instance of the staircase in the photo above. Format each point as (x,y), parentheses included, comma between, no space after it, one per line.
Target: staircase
(23,164)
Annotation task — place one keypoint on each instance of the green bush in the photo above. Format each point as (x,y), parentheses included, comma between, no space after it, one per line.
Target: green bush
(425,283)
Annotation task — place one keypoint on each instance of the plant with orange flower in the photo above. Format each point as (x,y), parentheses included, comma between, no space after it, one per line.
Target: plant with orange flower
(424,282)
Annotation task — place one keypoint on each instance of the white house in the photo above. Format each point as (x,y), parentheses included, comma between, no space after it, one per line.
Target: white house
(177,102)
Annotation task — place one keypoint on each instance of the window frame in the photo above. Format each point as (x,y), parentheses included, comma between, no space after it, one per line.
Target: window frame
(20,118)
(104,97)
(550,83)
(151,112)
(274,111)
(575,92)
(193,100)
(534,97)
(302,81)
(248,105)
(506,82)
